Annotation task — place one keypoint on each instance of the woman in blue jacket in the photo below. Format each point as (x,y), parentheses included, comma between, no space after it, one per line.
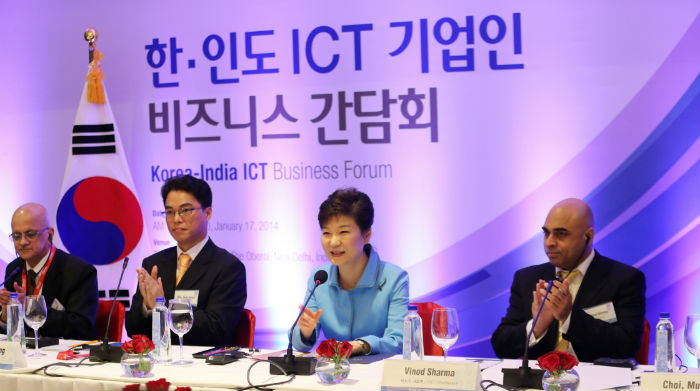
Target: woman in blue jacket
(365,299)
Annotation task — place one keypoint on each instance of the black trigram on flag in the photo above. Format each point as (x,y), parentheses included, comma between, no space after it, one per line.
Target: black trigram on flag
(98,140)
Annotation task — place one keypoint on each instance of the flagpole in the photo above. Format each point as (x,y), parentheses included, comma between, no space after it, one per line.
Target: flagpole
(90,36)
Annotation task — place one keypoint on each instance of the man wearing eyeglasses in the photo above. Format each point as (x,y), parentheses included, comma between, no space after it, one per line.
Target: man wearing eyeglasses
(211,277)
(68,284)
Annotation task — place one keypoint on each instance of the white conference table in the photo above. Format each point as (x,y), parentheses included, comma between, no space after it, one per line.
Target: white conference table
(200,376)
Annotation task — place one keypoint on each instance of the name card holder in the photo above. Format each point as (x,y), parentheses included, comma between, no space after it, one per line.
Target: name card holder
(11,355)
(660,381)
(405,374)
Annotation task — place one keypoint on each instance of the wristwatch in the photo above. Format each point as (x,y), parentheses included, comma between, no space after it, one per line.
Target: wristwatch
(365,346)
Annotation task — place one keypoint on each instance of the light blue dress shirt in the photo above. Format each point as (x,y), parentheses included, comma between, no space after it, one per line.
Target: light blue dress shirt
(372,311)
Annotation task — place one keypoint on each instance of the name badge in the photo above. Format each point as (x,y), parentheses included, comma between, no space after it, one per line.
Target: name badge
(192,295)
(11,355)
(604,312)
(669,381)
(431,375)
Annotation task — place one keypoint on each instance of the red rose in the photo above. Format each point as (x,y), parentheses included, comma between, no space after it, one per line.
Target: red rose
(158,385)
(557,361)
(326,349)
(132,387)
(549,362)
(139,347)
(149,344)
(138,344)
(126,346)
(345,350)
(566,361)
(183,389)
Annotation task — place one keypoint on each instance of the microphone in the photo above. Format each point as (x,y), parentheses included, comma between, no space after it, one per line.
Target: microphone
(525,376)
(298,365)
(12,275)
(106,352)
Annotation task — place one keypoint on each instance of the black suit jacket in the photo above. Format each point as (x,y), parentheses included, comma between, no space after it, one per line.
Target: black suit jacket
(605,280)
(73,282)
(220,278)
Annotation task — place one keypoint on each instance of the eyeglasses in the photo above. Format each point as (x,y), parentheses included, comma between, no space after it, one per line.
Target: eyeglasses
(184,212)
(30,235)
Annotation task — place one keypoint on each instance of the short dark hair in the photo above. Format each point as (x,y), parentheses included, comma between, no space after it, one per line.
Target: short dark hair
(198,188)
(351,202)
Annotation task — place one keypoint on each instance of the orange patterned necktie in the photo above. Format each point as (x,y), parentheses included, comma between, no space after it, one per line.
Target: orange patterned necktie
(183,262)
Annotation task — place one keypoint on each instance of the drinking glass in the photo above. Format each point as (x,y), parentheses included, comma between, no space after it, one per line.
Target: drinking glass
(35,316)
(692,335)
(180,319)
(445,327)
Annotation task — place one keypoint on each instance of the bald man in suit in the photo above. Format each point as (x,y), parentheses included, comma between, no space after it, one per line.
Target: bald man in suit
(597,310)
(68,284)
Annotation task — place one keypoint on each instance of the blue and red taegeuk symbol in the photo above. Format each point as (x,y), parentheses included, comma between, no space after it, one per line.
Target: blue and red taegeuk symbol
(99,220)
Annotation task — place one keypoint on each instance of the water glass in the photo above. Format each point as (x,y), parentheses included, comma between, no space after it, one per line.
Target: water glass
(692,335)
(180,318)
(445,327)
(35,316)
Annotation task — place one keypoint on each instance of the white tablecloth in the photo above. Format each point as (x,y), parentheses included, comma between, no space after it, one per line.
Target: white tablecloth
(204,376)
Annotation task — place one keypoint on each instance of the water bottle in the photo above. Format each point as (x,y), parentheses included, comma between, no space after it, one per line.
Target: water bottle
(412,335)
(161,331)
(665,356)
(15,322)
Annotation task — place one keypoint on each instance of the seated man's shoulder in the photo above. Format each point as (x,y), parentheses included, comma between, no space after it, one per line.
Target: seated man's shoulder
(222,260)
(162,254)
(534,269)
(74,262)
(620,268)
(224,255)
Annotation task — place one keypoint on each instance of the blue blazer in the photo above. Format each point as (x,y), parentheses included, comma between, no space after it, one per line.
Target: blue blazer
(372,311)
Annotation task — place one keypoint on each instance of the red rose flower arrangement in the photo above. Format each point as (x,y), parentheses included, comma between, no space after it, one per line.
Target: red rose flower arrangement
(154,385)
(557,362)
(335,350)
(139,344)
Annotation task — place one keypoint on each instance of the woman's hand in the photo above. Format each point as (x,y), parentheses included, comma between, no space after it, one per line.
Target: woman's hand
(308,321)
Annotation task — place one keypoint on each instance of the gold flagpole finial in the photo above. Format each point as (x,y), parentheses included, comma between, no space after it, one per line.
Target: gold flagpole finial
(90,36)
(95,91)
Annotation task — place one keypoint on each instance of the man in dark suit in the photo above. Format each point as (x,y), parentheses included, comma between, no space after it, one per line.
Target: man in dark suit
(597,310)
(68,284)
(196,267)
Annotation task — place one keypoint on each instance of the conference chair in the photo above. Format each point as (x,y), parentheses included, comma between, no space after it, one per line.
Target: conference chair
(642,355)
(117,324)
(425,311)
(245,330)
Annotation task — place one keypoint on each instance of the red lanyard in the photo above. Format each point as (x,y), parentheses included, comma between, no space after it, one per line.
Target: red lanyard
(43,273)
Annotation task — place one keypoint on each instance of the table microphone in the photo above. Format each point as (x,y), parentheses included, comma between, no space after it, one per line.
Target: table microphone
(12,275)
(525,376)
(105,351)
(298,365)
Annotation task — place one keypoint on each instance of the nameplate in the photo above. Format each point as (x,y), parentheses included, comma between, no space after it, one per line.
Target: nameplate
(191,295)
(669,381)
(431,375)
(11,355)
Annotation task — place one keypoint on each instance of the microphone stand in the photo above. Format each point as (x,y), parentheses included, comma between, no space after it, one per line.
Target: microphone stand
(106,352)
(525,376)
(303,366)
